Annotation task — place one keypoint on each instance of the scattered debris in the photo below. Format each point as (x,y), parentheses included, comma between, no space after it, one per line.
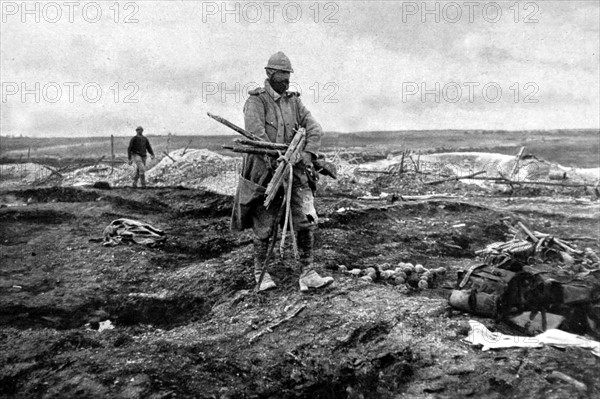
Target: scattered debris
(406,274)
(480,335)
(128,230)
(273,326)
(105,325)
(533,272)
(570,380)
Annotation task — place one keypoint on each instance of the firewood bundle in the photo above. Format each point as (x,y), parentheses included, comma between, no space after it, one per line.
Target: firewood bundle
(531,247)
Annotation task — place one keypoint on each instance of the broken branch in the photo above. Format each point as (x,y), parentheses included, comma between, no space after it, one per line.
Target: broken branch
(171,158)
(456,178)
(262,144)
(251,150)
(277,324)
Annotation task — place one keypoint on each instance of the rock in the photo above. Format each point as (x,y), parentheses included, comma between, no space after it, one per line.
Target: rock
(409,268)
(423,284)
(401,274)
(387,274)
(368,279)
(342,268)
(399,280)
(355,272)
(371,272)
(419,268)
(567,259)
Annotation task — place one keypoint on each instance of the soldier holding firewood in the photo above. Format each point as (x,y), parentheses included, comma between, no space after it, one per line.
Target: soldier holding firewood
(274,114)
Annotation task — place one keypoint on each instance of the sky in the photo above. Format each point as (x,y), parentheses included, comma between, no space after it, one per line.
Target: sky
(85,68)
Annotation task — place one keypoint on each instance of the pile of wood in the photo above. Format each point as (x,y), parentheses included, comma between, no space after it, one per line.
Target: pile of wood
(532,247)
(533,273)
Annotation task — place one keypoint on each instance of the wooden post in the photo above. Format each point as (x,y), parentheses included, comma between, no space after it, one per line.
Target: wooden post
(516,166)
(186,147)
(21,167)
(402,162)
(28,153)
(112,153)
(169,143)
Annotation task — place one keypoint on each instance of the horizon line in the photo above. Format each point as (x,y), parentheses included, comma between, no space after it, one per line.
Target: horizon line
(326,132)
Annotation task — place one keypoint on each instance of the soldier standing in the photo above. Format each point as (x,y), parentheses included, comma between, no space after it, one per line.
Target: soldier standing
(138,145)
(272,113)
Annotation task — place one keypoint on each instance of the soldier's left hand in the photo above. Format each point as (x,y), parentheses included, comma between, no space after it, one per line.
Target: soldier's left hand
(307,158)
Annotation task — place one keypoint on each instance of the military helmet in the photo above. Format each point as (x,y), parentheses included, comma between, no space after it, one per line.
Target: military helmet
(280,62)
(139,129)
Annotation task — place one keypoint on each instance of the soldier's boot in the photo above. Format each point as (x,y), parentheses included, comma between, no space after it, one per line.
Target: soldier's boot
(260,254)
(135,179)
(309,278)
(143,180)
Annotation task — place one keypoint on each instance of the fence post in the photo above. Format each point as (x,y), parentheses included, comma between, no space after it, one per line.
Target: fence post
(112,153)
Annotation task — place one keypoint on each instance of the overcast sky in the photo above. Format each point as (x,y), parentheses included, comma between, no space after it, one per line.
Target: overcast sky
(359,65)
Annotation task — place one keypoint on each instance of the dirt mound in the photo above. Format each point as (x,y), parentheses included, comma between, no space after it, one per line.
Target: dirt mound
(118,175)
(190,168)
(196,169)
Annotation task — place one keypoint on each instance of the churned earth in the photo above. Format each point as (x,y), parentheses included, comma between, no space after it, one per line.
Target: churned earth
(187,323)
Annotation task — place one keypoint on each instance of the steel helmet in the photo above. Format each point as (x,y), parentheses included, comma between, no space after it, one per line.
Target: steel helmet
(280,62)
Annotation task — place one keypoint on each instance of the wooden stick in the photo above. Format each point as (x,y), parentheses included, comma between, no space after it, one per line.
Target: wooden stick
(186,147)
(528,232)
(98,161)
(566,247)
(262,144)
(501,180)
(290,156)
(238,129)
(455,178)
(112,153)
(402,163)
(410,197)
(288,211)
(382,172)
(516,165)
(277,324)
(570,380)
(251,150)
(164,152)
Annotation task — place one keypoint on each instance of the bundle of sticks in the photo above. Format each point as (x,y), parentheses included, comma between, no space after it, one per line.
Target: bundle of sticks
(527,245)
(291,155)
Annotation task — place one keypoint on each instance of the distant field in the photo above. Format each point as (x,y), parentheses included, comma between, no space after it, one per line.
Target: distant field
(567,147)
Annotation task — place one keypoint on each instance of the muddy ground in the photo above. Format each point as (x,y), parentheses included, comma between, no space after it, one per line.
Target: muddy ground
(188,325)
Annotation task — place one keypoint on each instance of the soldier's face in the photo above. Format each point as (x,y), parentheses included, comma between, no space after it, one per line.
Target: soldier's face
(281,76)
(280,81)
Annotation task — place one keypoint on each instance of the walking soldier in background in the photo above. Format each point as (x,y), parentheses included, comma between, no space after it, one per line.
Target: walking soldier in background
(138,145)
(272,113)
